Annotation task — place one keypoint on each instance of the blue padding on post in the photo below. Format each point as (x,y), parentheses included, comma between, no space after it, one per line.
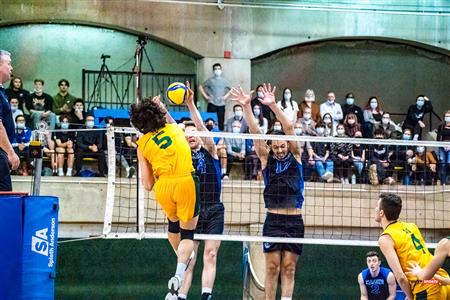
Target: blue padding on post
(40,237)
(11,249)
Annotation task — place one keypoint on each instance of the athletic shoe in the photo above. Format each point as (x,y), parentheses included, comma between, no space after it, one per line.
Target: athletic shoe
(328,177)
(173,285)
(130,172)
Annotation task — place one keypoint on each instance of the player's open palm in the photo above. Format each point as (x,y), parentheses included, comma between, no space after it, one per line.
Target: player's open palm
(238,95)
(269,94)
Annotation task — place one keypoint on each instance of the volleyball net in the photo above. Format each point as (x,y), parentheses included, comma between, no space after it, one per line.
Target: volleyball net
(340,195)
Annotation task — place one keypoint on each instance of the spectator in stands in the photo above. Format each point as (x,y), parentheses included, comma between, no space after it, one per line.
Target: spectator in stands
(380,168)
(15,110)
(331,107)
(308,124)
(307,168)
(89,144)
(235,148)
(310,101)
(351,124)
(349,106)
(443,135)
(20,144)
(265,110)
(416,113)
(319,155)
(330,129)
(401,158)
(77,115)
(252,162)
(65,141)
(238,116)
(358,156)
(220,143)
(424,166)
(341,152)
(276,126)
(63,101)
(391,130)
(372,117)
(16,91)
(288,106)
(40,106)
(216,90)
(263,123)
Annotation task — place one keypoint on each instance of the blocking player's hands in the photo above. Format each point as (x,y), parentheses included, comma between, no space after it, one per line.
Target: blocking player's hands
(269,94)
(238,95)
(190,94)
(415,270)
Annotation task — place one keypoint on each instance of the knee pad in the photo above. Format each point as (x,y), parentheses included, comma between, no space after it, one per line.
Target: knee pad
(174,227)
(186,234)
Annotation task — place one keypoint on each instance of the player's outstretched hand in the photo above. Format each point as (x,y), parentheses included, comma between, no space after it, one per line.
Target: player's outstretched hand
(269,94)
(190,94)
(414,270)
(238,95)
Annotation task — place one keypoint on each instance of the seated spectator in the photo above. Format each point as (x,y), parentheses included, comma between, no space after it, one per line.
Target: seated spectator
(358,156)
(330,129)
(391,130)
(265,110)
(443,135)
(372,117)
(319,156)
(308,124)
(235,148)
(416,113)
(16,91)
(252,162)
(349,106)
(307,168)
(238,116)
(89,144)
(351,124)
(341,152)
(220,144)
(65,142)
(63,101)
(424,166)
(332,108)
(21,143)
(400,158)
(276,126)
(310,102)
(262,122)
(380,168)
(40,106)
(14,103)
(77,115)
(288,106)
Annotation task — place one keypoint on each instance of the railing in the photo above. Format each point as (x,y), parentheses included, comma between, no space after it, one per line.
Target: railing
(117,89)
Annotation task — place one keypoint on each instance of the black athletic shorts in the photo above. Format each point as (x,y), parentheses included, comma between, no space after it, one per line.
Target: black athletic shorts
(277,225)
(211,219)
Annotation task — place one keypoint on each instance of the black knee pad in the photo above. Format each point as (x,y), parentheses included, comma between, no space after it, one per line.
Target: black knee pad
(174,227)
(186,234)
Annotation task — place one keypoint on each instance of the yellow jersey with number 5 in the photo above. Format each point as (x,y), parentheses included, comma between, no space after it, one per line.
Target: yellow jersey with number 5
(168,151)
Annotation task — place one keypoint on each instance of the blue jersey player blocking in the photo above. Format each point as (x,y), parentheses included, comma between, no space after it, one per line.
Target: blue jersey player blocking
(376,282)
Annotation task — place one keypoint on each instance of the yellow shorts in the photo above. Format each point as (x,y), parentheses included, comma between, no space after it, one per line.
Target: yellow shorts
(436,292)
(178,196)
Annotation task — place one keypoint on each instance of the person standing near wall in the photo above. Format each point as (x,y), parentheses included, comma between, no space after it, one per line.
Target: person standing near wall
(216,90)
(7,155)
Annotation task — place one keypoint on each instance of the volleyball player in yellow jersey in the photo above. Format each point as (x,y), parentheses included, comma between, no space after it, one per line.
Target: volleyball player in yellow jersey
(403,245)
(166,167)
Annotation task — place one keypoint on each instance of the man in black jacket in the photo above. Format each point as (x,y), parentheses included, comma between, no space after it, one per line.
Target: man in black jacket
(90,144)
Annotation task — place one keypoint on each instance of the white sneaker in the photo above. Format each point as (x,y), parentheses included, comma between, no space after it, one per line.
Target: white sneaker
(328,177)
(173,285)
(60,173)
(69,173)
(346,181)
(342,180)
(225,177)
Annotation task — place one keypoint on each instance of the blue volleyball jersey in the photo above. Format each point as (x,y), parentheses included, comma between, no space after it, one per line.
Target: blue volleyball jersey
(208,171)
(377,287)
(284,183)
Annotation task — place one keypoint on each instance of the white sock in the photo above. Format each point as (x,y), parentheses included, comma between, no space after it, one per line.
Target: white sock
(60,172)
(182,296)
(181,268)
(224,171)
(286,298)
(206,290)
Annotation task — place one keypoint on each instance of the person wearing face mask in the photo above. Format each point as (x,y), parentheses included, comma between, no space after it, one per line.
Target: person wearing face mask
(372,117)
(341,154)
(288,106)
(276,126)
(401,156)
(319,156)
(235,148)
(424,170)
(90,144)
(416,114)
(330,128)
(238,115)
(210,124)
(308,124)
(265,110)
(380,165)
(331,107)
(349,106)
(391,130)
(14,103)
(40,106)
(64,141)
(309,101)
(443,135)
(358,157)
(20,144)
(77,115)
(307,168)
(263,123)
(351,124)
(216,90)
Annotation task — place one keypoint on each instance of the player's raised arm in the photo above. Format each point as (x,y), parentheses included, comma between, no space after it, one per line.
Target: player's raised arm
(157,100)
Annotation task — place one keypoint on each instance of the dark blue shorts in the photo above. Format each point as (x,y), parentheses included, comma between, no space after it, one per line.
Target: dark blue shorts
(290,226)
(211,219)
(5,177)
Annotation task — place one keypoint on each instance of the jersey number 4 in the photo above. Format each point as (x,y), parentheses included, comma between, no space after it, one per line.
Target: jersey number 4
(417,244)
(162,141)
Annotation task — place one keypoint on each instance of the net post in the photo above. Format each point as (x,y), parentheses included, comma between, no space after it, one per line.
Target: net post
(111,188)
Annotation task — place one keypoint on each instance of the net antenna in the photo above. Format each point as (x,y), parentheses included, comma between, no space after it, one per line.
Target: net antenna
(104,77)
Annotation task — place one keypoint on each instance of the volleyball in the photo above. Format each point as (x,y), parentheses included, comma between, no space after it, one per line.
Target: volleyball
(176,93)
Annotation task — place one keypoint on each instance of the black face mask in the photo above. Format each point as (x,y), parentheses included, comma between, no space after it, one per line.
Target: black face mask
(209,127)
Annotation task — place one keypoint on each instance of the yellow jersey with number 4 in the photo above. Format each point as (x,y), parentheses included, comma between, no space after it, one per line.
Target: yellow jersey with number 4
(168,151)
(411,248)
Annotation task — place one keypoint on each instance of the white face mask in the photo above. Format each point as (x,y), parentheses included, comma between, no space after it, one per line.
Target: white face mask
(20,125)
(287,96)
(320,130)
(277,127)
(217,72)
(420,149)
(385,120)
(14,108)
(309,98)
(373,105)
(238,113)
(260,95)
(257,112)
(236,129)
(90,124)
(298,131)
(307,116)
(327,120)
(447,119)
(64,125)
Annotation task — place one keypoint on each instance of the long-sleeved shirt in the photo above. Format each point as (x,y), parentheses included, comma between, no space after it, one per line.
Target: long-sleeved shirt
(22,136)
(334,109)
(416,114)
(89,138)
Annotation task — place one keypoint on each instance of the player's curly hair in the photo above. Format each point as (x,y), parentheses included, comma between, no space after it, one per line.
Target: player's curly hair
(147,116)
